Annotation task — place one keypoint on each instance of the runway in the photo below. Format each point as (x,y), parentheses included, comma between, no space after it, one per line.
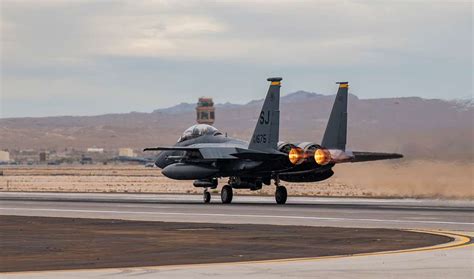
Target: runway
(338,212)
(435,215)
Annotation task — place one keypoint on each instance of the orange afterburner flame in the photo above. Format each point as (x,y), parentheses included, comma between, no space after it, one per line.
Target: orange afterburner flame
(296,155)
(322,157)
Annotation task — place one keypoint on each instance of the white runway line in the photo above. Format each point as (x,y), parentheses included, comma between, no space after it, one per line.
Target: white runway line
(237,215)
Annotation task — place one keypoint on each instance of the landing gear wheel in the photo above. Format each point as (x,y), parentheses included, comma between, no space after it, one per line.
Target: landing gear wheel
(281,195)
(206,196)
(226,194)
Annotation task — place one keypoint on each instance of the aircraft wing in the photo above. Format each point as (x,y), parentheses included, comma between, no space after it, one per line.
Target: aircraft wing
(222,152)
(171,148)
(362,156)
(207,152)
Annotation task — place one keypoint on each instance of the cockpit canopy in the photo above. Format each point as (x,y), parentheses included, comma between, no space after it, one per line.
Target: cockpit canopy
(197,131)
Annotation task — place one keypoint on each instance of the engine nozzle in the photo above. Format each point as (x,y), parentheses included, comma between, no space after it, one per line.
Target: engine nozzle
(322,157)
(296,155)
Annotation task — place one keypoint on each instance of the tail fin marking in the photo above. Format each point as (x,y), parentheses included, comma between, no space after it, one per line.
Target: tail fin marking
(266,134)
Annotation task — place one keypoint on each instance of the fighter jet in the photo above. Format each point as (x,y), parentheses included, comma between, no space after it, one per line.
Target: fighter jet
(204,154)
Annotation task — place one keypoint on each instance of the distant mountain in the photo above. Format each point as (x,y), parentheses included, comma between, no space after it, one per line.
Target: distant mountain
(464,104)
(188,107)
(183,107)
(300,96)
(416,127)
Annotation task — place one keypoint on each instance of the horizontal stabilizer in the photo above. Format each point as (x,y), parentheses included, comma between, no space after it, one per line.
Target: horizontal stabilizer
(361,156)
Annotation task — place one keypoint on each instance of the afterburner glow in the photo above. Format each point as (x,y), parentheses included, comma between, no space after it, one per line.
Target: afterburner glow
(322,157)
(296,155)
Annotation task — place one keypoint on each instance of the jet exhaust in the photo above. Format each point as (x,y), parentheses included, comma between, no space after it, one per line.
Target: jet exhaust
(322,156)
(296,155)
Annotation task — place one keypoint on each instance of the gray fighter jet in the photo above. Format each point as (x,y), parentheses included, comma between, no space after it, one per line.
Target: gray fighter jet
(204,154)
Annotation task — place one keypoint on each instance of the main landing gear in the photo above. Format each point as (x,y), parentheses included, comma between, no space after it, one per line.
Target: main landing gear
(227,194)
(281,194)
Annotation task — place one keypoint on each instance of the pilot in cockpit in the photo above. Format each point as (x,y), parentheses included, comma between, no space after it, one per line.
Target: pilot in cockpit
(197,131)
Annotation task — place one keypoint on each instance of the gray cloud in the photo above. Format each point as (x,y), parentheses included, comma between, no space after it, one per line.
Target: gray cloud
(89,57)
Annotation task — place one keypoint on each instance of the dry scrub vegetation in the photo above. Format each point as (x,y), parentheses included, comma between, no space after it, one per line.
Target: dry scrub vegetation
(416,179)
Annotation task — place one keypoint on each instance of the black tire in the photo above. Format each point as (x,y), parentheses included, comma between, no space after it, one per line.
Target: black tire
(206,197)
(281,195)
(226,194)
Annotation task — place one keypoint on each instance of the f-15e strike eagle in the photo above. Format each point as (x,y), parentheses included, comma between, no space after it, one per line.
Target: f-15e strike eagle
(203,154)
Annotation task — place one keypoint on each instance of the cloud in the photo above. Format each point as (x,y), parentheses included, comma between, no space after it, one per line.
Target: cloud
(68,42)
(228,30)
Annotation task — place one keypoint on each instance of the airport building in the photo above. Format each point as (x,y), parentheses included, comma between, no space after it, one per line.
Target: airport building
(127,152)
(4,156)
(95,150)
(205,111)
(43,156)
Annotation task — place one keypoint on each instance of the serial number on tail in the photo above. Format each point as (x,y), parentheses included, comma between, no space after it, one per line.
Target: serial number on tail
(260,138)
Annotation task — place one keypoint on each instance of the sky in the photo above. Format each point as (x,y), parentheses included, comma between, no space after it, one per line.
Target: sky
(94,57)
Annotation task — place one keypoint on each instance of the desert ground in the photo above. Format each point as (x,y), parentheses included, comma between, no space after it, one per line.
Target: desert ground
(416,179)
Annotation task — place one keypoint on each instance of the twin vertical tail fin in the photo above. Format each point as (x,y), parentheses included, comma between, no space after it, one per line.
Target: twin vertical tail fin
(266,134)
(335,136)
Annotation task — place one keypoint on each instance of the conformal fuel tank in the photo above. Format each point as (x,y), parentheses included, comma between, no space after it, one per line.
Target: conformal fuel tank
(188,171)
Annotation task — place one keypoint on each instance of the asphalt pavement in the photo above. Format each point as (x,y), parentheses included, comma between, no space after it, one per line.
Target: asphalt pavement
(431,215)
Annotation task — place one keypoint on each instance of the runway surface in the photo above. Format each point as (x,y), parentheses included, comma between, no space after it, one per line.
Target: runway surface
(435,215)
(51,243)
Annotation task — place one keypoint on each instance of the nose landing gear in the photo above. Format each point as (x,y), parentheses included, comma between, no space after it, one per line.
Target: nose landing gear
(226,195)
(206,196)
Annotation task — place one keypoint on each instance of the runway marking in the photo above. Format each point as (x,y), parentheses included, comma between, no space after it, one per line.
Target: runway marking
(459,241)
(237,215)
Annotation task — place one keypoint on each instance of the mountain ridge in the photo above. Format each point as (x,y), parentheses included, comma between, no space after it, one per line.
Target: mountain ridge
(414,126)
(463,103)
